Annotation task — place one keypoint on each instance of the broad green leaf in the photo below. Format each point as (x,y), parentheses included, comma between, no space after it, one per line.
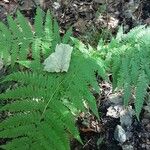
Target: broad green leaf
(59,60)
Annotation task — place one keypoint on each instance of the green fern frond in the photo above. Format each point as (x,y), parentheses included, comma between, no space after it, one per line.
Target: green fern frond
(140,93)
(132,35)
(56,33)
(23,92)
(48,38)
(25,105)
(25,27)
(20,119)
(19,42)
(38,114)
(134,71)
(5,42)
(36,49)
(67,36)
(127,91)
(43,93)
(130,55)
(48,26)
(38,23)
(115,69)
(19,143)
(14,28)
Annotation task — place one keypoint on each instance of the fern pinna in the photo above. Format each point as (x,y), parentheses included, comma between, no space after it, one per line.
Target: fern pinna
(41,106)
(128,56)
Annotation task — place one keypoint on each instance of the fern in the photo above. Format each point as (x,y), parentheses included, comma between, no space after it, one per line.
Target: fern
(128,58)
(39,117)
(19,39)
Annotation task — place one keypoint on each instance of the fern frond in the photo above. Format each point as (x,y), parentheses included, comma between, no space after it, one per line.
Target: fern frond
(38,114)
(127,91)
(115,69)
(124,71)
(23,92)
(19,143)
(130,64)
(67,36)
(63,143)
(15,132)
(38,23)
(132,35)
(56,33)
(20,119)
(134,71)
(36,49)
(119,34)
(5,42)
(140,93)
(48,38)
(13,26)
(24,105)
(48,27)
(24,25)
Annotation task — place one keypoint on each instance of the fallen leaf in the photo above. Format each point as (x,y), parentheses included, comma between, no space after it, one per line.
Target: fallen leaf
(59,61)
(115,111)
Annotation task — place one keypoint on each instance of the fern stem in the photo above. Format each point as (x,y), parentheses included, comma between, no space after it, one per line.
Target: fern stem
(50,99)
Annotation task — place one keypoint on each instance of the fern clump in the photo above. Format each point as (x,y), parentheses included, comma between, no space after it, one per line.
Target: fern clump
(18,39)
(41,105)
(128,58)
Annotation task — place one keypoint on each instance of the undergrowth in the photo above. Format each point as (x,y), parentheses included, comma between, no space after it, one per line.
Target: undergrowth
(128,59)
(42,106)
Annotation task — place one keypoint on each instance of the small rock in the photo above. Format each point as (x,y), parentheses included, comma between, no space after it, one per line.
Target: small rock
(145,121)
(113,23)
(127,147)
(6,1)
(100,1)
(116,98)
(120,134)
(114,111)
(147,147)
(126,117)
(56,5)
(147,21)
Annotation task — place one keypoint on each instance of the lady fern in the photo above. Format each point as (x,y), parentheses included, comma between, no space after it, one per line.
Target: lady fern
(128,57)
(19,38)
(39,116)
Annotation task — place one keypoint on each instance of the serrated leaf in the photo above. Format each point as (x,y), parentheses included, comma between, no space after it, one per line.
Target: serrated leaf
(59,60)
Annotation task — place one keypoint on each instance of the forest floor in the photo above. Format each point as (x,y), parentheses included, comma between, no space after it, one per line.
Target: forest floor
(118,128)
